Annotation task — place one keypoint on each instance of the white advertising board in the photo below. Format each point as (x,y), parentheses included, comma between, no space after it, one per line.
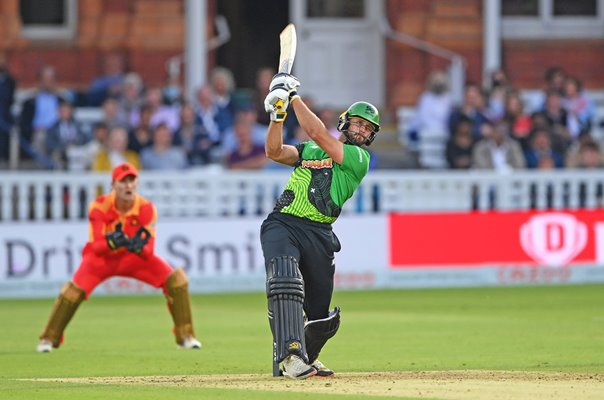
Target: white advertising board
(224,255)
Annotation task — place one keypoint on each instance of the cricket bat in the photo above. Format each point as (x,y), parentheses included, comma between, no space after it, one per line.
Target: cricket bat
(288,42)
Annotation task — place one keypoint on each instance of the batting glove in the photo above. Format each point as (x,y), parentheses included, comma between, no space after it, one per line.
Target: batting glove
(285,81)
(276,103)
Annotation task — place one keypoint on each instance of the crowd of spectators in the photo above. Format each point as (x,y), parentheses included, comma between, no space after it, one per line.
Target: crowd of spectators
(157,128)
(495,128)
(153,127)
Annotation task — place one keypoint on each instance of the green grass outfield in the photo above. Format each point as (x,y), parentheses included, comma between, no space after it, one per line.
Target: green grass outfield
(545,328)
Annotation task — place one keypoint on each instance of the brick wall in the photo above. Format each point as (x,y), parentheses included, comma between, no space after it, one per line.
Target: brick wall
(149,32)
(457,26)
(526,61)
(145,32)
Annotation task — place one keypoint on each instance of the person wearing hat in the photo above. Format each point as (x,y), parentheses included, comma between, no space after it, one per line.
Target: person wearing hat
(121,243)
(297,238)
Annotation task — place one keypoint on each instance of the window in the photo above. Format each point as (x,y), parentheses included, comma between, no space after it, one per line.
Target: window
(552,19)
(48,19)
(335,8)
(520,7)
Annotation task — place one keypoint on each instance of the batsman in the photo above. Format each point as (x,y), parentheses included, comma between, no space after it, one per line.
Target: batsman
(121,243)
(297,237)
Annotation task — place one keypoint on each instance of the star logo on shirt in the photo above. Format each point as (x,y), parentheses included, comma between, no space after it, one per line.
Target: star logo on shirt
(312,190)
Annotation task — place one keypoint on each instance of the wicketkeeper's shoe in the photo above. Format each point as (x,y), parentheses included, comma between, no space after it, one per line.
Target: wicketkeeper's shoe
(191,343)
(294,367)
(45,346)
(322,370)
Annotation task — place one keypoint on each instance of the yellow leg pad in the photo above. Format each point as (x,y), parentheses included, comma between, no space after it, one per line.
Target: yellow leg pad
(63,310)
(179,305)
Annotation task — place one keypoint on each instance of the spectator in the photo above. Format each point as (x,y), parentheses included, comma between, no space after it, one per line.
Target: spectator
(7,97)
(172,92)
(474,108)
(229,142)
(264,76)
(112,115)
(131,100)
(432,111)
(140,138)
(40,111)
(109,83)
(497,89)
(579,107)
(546,162)
(100,136)
(141,135)
(66,133)
(573,158)
(557,120)
(206,111)
(590,155)
(460,145)
(301,136)
(162,155)
(497,150)
(520,123)
(192,138)
(116,151)
(223,84)
(554,82)
(540,151)
(247,155)
(329,119)
(160,112)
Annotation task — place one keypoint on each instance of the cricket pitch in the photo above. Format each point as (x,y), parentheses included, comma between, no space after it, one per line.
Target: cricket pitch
(446,385)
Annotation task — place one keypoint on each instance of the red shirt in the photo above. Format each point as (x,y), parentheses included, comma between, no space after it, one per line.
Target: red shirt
(103,217)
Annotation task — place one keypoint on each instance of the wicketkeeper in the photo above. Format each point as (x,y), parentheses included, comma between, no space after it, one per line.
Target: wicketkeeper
(121,243)
(297,237)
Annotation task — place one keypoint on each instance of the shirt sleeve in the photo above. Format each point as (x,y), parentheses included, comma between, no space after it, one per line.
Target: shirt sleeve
(97,229)
(356,161)
(148,217)
(300,148)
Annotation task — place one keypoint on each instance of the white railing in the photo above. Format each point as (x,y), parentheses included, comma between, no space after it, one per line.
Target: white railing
(43,196)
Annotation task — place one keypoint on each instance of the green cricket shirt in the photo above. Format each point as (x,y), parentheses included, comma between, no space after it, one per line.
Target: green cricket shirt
(319,187)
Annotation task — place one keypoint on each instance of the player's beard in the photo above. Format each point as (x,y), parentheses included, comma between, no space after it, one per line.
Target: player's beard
(356,139)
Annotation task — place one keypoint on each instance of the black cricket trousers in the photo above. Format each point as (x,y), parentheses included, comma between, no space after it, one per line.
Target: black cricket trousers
(313,244)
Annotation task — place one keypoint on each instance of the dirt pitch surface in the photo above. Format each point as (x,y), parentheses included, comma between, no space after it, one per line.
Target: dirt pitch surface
(457,385)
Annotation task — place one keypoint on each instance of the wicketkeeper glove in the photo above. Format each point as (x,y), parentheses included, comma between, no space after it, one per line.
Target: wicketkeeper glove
(139,240)
(117,238)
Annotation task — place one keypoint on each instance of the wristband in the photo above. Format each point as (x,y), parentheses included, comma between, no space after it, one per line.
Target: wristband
(278,116)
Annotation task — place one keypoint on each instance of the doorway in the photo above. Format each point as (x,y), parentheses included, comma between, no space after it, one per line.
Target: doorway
(255,27)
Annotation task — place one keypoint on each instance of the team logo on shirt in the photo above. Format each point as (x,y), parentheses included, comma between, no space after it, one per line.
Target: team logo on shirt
(317,164)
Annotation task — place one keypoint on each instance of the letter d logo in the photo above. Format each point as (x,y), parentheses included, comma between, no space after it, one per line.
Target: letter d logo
(553,239)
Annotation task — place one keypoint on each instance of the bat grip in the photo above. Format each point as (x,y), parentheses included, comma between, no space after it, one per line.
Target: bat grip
(279,105)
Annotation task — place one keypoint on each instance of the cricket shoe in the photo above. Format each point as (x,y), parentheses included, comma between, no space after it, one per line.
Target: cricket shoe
(294,367)
(190,343)
(322,370)
(45,346)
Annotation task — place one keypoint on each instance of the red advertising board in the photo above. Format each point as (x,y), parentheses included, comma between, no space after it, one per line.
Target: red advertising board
(496,238)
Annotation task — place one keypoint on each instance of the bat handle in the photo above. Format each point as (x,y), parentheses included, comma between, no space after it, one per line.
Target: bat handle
(279,105)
